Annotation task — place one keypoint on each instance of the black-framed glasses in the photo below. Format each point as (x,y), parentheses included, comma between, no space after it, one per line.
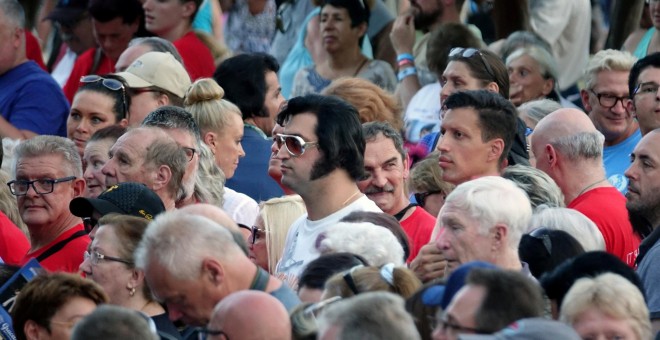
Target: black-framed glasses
(444,324)
(420,197)
(646,88)
(89,223)
(295,145)
(467,53)
(110,84)
(19,187)
(255,234)
(95,257)
(190,152)
(203,333)
(608,101)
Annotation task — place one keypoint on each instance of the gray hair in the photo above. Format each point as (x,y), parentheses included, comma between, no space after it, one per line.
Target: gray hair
(13,12)
(369,316)
(210,181)
(44,145)
(571,221)
(157,44)
(607,60)
(108,322)
(540,188)
(371,130)
(376,244)
(491,200)
(165,151)
(547,64)
(173,117)
(582,145)
(535,110)
(178,241)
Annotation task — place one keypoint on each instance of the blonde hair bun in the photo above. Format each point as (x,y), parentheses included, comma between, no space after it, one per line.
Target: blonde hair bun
(205,89)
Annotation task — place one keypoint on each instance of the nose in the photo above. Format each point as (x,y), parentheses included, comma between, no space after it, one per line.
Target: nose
(281,153)
(378,179)
(442,145)
(85,266)
(447,89)
(630,172)
(241,151)
(441,241)
(146,4)
(83,126)
(620,106)
(108,169)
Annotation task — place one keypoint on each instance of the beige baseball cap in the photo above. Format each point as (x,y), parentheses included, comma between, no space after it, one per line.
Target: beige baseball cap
(158,69)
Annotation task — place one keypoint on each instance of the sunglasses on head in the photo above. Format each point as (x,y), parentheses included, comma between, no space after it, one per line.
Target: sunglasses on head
(467,53)
(295,145)
(110,84)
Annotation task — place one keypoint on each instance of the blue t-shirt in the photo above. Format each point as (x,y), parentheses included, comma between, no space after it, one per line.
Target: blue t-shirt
(30,99)
(251,176)
(616,159)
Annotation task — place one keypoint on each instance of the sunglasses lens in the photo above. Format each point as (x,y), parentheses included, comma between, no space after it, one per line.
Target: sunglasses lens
(294,146)
(454,51)
(90,78)
(112,84)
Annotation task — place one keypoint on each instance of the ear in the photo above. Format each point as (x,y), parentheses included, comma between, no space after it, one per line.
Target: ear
(213,271)
(631,108)
(19,34)
(163,176)
(550,155)
(163,100)
(493,87)
(500,233)
(548,86)
(32,330)
(78,187)
(189,8)
(406,167)
(585,100)
(136,279)
(496,149)
(123,123)
(211,138)
(362,29)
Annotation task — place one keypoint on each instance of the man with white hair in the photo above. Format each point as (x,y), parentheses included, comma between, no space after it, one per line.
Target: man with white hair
(483,220)
(569,148)
(191,269)
(236,316)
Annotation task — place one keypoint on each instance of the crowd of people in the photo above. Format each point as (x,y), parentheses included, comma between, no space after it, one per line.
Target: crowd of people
(327,169)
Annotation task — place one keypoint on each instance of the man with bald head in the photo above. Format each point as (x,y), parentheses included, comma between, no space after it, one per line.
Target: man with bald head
(249,315)
(217,215)
(569,148)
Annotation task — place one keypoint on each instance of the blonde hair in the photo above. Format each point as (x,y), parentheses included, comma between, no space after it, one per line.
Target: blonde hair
(612,295)
(208,109)
(607,60)
(9,206)
(210,181)
(278,214)
(369,279)
(372,103)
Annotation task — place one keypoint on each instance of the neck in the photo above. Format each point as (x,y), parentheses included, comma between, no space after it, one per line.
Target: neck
(399,206)
(345,61)
(259,123)
(168,202)
(622,137)
(508,260)
(575,181)
(330,194)
(140,303)
(41,235)
(177,32)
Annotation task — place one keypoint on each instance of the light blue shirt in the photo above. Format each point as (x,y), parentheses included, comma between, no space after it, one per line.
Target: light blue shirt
(616,159)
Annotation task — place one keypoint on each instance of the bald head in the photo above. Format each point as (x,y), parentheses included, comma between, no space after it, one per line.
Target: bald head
(213,213)
(572,134)
(564,122)
(251,314)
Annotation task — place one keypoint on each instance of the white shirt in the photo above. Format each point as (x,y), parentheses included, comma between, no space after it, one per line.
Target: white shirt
(240,207)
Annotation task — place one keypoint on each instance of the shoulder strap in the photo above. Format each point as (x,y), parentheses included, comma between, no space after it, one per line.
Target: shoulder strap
(400,214)
(98,53)
(261,280)
(59,245)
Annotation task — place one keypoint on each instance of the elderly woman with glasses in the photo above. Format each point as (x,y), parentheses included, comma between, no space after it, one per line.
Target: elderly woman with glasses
(99,102)
(343,27)
(110,263)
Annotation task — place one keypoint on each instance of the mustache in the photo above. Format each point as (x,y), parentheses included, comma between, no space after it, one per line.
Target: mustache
(377,190)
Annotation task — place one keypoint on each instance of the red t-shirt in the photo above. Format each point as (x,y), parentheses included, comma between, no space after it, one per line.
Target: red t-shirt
(419,227)
(33,50)
(606,207)
(196,56)
(83,67)
(13,243)
(67,259)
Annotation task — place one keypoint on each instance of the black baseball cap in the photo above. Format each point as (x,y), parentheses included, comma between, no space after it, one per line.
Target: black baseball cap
(68,10)
(127,198)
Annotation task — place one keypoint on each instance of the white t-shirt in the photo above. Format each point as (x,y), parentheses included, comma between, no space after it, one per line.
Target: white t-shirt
(240,207)
(423,113)
(300,245)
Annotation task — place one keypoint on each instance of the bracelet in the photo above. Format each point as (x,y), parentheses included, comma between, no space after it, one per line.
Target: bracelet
(404,56)
(405,62)
(408,71)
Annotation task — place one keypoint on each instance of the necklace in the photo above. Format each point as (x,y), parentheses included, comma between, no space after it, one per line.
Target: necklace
(590,186)
(357,71)
(350,197)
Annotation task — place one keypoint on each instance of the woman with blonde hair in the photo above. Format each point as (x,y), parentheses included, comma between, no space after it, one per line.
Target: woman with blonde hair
(276,215)
(373,103)
(390,278)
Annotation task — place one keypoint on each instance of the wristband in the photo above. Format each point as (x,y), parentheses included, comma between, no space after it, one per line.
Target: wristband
(408,71)
(405,62)
(404,56)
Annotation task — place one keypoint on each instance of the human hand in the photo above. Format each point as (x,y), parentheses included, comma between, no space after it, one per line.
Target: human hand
(403,34)
(429,264)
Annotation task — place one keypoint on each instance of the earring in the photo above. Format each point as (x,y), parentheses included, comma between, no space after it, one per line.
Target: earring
(131,291)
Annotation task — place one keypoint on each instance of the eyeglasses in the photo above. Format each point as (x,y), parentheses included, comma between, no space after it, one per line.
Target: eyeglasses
(203,333)
(420,197)
(295,145)
(467,53)
(608,101)
(89,223)
(444,324)
(110,84)
(646,88)
(314,309)
(19,187)
(255,232)
(190,153)
(95,257)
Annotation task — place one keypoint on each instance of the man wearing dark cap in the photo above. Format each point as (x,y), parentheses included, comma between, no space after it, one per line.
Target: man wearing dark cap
(74,25)
(128,198)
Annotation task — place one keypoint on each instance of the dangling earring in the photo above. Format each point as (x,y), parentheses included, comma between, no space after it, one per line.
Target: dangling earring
(131,291)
